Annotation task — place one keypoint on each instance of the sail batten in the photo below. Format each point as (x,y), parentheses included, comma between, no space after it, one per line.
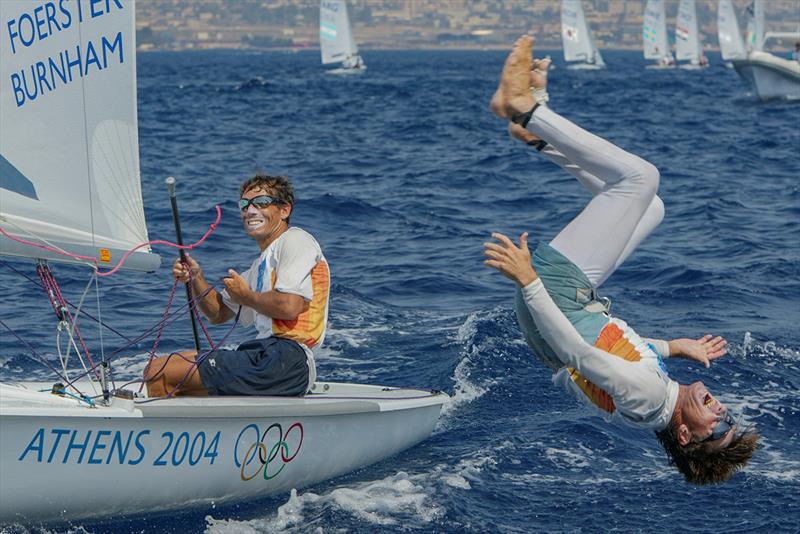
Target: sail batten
(69,147)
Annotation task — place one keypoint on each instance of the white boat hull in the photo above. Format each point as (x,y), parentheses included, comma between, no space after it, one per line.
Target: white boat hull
(585,66)
(62,461)
(770,76)
(347,70)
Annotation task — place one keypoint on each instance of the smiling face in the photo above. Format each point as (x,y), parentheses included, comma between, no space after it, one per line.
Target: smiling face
(701,413)
(267,223)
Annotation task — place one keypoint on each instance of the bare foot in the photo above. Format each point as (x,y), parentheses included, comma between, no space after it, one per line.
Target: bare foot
(513,93)
(538,89)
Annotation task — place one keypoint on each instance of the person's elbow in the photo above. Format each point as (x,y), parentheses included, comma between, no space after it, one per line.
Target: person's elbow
(223,315)
(291,306)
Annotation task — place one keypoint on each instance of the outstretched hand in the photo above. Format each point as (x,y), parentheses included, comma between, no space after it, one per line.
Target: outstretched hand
(511,260)
(704,350)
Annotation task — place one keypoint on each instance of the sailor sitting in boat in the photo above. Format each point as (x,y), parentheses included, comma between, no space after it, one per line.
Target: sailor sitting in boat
(284,293)
(596,357)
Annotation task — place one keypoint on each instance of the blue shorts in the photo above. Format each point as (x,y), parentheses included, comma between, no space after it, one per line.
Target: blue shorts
(272,366)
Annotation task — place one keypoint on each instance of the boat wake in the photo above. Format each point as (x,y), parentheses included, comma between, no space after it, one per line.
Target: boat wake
(410,501)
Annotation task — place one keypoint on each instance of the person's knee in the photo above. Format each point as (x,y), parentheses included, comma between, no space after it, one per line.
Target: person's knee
(651,176)
(646,177)
(656,210)
(155,369)
(157,387)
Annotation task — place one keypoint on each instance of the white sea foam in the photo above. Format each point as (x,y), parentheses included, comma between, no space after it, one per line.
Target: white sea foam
(355,337)
(5,365)
(570,458)
(397,501)
(22,529)
(466,388)
(378,502)
(464,391)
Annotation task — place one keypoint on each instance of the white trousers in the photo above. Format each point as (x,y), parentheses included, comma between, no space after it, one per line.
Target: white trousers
(624,208)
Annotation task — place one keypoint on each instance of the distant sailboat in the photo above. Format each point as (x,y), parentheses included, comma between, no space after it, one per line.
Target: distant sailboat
(336,37)
(770,76)
(654,35)
(688,43)
(579,47)
(755,26)
(730,38)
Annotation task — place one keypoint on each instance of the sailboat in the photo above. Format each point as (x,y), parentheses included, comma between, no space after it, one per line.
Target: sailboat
(688,42)
(769,76)
(731,44)
(579,48)
(654,35)
(336,37)
(79,446)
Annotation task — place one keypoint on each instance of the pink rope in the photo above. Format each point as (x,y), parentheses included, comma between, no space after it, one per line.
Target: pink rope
(195,311)
(163,324)
(124,256)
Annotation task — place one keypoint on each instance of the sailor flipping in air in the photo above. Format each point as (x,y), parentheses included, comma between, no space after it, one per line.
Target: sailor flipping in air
(597,357)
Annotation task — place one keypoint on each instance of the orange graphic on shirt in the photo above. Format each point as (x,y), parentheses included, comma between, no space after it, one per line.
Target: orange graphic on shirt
(613,341)
(310,324)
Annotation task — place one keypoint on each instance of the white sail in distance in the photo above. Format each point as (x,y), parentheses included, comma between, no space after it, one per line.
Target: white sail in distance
(654,31)
(576,36)
(730,38)
(335,35)
(69,145)
(688,45)
(755,26)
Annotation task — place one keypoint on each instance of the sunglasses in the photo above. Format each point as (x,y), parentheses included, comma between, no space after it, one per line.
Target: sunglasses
(725,424)
(259,202)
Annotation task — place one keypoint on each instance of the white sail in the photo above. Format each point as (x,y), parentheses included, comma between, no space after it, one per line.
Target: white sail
(576,35)
(730,39)
(69,146)
(755,26)
(335,35)
(654,32)
(688,45)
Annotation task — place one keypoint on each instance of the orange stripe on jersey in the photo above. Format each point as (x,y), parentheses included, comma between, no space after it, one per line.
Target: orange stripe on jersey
(310,324)
(612,340)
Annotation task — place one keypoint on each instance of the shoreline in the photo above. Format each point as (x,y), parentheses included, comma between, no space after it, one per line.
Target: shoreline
(431,48)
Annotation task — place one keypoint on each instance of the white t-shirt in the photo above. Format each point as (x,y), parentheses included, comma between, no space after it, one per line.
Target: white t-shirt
(294,264)
(642,393)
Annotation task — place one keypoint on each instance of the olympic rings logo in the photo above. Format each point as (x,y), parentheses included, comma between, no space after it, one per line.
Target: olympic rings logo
(271,447)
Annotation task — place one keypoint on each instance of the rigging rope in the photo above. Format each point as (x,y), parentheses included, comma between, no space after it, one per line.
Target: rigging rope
(61,307)
(125,256)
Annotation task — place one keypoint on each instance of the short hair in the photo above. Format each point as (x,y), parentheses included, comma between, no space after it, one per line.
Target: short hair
(278,187)
(701,463)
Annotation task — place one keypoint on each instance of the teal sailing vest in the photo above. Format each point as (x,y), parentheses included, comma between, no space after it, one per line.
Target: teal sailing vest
(574,295)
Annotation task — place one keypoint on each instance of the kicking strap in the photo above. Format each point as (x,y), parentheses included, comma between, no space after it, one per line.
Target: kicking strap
(538,144)
(524,118)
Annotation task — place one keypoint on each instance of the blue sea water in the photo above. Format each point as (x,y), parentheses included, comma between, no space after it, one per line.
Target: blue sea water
(401,173)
